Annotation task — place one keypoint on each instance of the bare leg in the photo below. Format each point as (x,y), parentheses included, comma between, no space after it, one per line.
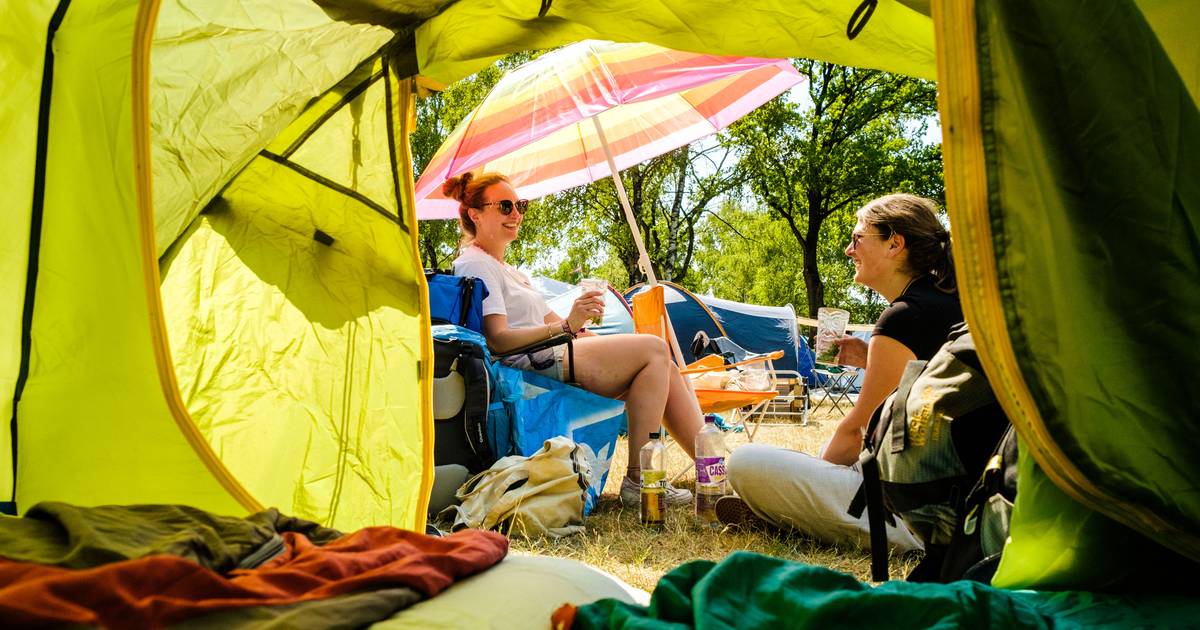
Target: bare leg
(682,417)
(638,369)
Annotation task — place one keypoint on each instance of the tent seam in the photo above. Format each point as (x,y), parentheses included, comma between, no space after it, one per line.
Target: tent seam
(37,210)
(329,183)
(333,109)
(391,138)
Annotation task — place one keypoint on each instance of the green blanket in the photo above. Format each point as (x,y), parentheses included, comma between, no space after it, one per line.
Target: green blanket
(77,537)
(748,590)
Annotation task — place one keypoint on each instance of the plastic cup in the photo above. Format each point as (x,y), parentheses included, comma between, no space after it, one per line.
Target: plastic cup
(593,284)
(831,325)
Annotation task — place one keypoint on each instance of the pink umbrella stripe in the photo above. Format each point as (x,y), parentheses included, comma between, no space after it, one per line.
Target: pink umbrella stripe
(643,99)
(523,122)
(632,149)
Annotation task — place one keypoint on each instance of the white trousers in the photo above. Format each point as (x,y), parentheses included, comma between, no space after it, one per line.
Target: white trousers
(808,494)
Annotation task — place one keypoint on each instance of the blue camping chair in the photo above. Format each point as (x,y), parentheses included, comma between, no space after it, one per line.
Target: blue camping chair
(527,409)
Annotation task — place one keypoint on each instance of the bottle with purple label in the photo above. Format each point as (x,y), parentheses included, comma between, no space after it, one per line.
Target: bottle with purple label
(710,471)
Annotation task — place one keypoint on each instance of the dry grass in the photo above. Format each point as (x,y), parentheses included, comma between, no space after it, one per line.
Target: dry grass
(616,542)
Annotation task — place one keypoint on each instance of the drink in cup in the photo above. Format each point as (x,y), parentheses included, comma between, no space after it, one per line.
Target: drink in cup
(831,325)
(593,284)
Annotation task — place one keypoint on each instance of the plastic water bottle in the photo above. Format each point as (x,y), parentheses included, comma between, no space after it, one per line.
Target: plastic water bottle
(652,459)
(710,471)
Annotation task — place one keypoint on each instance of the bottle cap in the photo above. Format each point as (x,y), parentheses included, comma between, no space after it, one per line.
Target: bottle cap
(654,435)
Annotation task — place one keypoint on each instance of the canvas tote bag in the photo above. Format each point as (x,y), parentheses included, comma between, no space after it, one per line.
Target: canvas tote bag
(538,495)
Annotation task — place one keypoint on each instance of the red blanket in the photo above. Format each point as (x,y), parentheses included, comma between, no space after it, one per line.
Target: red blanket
(159,590)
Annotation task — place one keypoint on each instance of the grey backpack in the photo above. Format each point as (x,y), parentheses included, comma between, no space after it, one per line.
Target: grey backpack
(927,446)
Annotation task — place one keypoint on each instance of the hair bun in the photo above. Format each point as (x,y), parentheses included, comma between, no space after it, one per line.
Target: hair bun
(456,187)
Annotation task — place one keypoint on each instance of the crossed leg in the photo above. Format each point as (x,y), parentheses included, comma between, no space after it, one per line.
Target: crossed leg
(638,369)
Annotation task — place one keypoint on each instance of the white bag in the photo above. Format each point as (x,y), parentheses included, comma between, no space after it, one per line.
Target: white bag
(539,495)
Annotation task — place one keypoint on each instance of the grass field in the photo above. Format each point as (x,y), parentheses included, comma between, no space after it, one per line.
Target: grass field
(616,542)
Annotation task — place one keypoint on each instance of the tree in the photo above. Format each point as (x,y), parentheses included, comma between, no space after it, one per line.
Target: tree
(862,136)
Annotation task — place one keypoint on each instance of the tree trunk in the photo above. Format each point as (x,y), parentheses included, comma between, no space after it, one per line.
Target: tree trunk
(812,277)
(429,251)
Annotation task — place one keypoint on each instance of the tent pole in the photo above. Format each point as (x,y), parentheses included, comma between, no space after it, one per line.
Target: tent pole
(643,257)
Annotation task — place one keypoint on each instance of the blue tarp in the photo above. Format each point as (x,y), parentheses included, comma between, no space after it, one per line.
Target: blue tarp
(541,408)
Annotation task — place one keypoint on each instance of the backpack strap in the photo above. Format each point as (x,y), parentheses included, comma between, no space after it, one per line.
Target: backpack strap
(872,490)
(870,493)
(475,409)
(899,409)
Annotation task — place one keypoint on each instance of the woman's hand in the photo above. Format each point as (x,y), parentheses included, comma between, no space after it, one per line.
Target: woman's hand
(853,351)
(586,306)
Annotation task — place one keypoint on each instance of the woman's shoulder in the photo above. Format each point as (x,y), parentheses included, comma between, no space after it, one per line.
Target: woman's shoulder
(921,301)
(467,253)
(924,296)
(473,257)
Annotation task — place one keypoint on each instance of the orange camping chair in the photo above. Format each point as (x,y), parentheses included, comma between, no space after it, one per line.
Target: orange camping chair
(748,405)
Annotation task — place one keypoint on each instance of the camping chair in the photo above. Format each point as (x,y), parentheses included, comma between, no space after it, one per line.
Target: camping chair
(748,406)
(836,386)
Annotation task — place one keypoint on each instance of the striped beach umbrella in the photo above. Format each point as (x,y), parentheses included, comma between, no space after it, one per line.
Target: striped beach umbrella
(546,124)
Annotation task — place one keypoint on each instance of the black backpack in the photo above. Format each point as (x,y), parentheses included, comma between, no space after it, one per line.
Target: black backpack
(462,392)
(928,449)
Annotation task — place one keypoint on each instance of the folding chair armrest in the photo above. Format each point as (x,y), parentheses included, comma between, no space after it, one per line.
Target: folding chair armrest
(556,340)
(761,358)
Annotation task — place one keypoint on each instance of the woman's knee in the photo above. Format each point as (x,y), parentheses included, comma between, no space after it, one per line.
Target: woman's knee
(653,349)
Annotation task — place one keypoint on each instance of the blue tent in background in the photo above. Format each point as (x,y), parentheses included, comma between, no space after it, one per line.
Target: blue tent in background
(751,326)
(618,318)
(762,329)
(549,287)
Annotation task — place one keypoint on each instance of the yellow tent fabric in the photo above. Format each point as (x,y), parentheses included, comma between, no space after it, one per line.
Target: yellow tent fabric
(895,36)
(280,362)
(293,349)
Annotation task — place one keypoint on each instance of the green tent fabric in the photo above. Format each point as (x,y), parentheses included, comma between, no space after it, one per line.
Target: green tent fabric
(749,590)
(1079,207)
(212,138)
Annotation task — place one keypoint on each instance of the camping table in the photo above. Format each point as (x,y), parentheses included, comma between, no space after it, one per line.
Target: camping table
(837,383)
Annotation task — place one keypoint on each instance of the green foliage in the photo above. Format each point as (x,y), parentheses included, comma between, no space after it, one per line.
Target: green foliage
(668,195)
(813,164)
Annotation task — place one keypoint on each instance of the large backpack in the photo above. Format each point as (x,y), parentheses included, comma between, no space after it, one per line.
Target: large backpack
(463,389)
(926,447)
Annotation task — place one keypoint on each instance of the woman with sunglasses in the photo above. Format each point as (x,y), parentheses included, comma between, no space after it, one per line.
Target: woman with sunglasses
(901,250)
(633,368)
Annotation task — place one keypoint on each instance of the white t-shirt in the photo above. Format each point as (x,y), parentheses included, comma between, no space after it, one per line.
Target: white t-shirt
(510,293)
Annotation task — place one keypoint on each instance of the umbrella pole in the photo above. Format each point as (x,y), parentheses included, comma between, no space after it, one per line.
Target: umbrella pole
(643,257)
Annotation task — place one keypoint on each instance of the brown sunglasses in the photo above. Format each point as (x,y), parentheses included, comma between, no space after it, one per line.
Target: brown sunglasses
(507,205)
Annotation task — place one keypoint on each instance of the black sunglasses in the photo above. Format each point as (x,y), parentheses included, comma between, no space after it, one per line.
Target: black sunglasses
(508,205)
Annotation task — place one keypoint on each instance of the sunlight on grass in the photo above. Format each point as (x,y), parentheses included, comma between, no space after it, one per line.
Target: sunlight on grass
(617,543)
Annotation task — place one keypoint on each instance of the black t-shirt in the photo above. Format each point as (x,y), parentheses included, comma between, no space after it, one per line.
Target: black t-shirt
(921,318)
